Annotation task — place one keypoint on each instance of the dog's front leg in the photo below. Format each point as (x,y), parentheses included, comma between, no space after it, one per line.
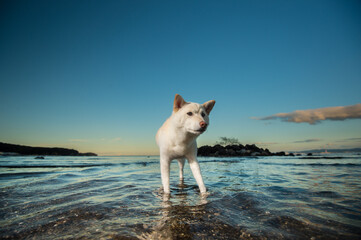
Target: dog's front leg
(193,163)
(165,169)
(181,167)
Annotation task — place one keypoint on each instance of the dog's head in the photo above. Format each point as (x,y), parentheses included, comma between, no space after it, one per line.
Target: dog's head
(192,117)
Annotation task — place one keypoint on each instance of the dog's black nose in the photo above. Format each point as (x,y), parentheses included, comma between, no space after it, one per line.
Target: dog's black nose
(203,124)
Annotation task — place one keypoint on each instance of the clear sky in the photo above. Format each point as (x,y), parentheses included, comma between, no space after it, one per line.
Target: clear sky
(101,76)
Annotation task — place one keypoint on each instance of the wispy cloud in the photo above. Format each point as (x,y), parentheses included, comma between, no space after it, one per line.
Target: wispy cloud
(313,116)
(349,140)
(353,139)
(308,140)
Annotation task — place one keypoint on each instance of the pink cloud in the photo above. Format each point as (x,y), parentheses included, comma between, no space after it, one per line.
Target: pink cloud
(313,116)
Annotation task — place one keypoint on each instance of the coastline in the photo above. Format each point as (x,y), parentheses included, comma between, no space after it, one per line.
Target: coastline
(238,150)
(7,149)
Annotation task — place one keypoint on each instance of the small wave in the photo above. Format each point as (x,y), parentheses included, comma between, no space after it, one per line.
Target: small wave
(143,163)
(222,160)
(57,166)
(22,175)
(327,194)
(325,157)
(314,164)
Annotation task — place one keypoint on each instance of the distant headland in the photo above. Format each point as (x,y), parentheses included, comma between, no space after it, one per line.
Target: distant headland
(239,150)
(13,149)
(236,150)
(231,147)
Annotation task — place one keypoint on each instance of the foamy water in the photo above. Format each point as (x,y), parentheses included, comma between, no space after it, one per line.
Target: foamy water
(120,198)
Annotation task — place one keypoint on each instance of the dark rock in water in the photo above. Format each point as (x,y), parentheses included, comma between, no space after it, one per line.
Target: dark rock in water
(232,151)
(256,154)
(291,154)
(39,157)
(280,154)
(309,154)
(26,150)
(88,154)
(252,148)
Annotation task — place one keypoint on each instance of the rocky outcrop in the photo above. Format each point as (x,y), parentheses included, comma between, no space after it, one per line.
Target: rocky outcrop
(26,150)
(235,151)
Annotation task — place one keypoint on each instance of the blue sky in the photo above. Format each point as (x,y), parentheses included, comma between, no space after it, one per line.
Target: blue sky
(101,75)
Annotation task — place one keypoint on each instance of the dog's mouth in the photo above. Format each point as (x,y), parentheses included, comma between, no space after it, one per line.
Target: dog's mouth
(202,130)
(198,131)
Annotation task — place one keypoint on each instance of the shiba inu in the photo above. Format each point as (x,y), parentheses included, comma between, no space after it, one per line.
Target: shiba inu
(177,139)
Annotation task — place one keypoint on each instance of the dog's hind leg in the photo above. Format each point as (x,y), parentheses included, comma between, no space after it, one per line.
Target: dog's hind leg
(181,167)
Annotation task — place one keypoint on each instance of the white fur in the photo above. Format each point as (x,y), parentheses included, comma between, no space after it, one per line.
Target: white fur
(177,139)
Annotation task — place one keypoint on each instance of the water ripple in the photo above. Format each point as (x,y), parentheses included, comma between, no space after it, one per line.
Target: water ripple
(120,198)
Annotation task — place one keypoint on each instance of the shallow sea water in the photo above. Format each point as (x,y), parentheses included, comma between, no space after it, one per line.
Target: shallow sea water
(120,198)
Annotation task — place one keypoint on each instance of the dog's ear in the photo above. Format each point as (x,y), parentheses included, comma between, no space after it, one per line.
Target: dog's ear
(178,102)
(208,106)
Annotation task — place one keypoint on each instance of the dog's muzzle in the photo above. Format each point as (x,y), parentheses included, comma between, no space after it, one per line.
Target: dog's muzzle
(203,126)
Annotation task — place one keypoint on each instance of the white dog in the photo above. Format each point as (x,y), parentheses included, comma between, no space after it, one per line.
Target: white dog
(177,138)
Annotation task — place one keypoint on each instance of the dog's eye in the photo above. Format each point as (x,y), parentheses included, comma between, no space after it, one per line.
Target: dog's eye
(203,114)
(189,113)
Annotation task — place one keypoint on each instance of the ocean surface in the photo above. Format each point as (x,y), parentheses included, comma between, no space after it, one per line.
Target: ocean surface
(121,198)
